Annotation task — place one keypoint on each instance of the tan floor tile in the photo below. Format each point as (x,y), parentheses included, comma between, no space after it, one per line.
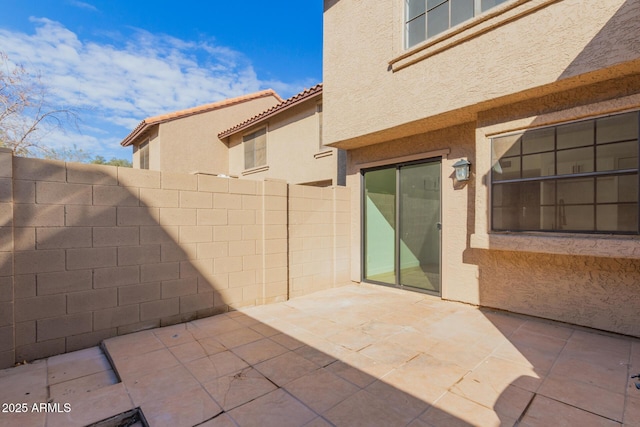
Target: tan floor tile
(351,374)
(243,318)
(76,364)
(380,330)
(366,410)
(545,412)
(233,390)
(25,383)
(92,407)
(316,356)
(510,401)
(277,408)
(321,390)
(453,411)
(465,355)
(30,418)
(538,360)
(547,328)
(352,339)
(174,335)
(212,326)
(222,420)
(403,402)
(287,341)
(238,337)
(212,367)
(136,366)
(189,408)
(318,422)
(188,351)
(497,374)
(504,323)
(583,395)
(211,346)
(632,411)
(161,384)
(264,329)
(82,385)
(429,370)
(610,375)
(411,338)
(604,349)
(389,353)
(133,344)
(259,351)
(285,368)
(320,327)
(367,365)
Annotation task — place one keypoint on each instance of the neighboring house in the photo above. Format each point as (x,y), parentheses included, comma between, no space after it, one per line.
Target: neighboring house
(542,97)
(285,142)
(186,141)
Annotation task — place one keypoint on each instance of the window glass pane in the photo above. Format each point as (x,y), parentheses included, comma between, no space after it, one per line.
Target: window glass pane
(623,155)
(508,168)
(414,8)
(617,128)
(576,218)
(518,206)
(575,191)
(535,165)
(617,217)
(416,31)
(433,3)
(438,20)
(548,218)
(248,154)
(575,135)
(537,141)
(548,195)
(488,4)
(505,146)
(579,160)
(614,189)
(461,10)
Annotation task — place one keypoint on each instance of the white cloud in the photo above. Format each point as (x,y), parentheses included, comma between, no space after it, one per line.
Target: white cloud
(83,5)
(123,82)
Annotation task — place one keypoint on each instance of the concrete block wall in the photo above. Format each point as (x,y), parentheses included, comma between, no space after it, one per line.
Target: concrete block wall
(97,251)
(319,238)
(7,344)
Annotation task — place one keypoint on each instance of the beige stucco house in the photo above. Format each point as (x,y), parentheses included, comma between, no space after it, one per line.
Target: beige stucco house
(285,142)
(542,97)
(186,141)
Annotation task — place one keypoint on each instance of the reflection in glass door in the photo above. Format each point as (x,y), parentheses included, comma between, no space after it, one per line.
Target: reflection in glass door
(402,225)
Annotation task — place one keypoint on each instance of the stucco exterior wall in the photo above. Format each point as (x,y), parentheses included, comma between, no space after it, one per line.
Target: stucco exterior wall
(520,49)
(293,148)
(528,63)
(190,144)
(90,251)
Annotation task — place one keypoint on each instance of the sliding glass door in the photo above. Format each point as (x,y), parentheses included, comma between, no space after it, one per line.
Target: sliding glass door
(401,224)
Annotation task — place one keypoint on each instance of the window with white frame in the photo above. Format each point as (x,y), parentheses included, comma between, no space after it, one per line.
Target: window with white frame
(255,149)
(143,155)
(427,18)
(575,177)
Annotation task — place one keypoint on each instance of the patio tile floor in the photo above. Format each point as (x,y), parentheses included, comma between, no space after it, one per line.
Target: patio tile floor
(350,356)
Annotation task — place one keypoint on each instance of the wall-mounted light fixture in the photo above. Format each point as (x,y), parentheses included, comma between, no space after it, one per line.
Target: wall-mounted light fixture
(462,168)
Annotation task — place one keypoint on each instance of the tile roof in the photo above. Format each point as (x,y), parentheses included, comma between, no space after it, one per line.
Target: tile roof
(151,121)
(288,103)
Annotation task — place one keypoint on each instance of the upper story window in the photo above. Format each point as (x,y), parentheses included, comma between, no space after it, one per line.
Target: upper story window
(576,177)
(427,18)
(143,155)
(255,149)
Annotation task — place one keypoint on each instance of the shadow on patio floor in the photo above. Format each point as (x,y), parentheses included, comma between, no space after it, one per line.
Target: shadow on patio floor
(351,356)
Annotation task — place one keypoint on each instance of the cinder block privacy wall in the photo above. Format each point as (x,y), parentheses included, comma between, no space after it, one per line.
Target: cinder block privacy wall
(88,252)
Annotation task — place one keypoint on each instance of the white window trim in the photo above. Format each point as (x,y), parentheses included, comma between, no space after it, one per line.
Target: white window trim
(493,18)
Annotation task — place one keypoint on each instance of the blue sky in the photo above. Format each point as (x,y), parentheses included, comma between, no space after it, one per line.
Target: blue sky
(120,61)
